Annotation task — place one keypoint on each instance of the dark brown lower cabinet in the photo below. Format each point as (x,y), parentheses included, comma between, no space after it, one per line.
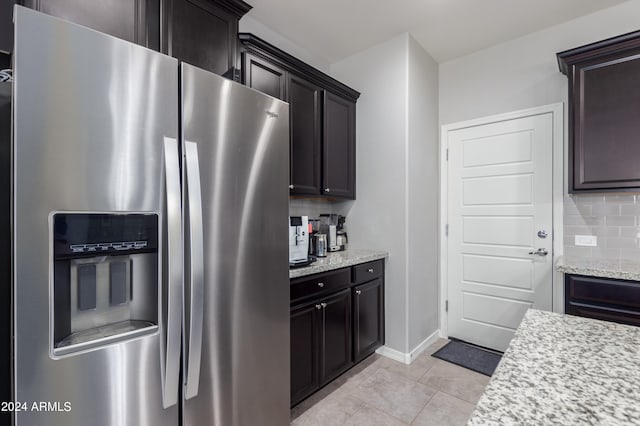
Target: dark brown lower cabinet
(337,319)
(368,318)
(603,298)
(335,345)
(320,343)
(305,340)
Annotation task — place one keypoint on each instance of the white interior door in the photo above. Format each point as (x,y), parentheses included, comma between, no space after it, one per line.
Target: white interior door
(500,193)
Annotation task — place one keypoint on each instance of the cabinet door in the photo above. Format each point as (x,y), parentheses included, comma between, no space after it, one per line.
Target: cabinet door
(128,20)
(305,340)
(604,125)
(335,344)
(305,101)
(368,318)
(200,33)
(339,147)
(6,27)
(261,75)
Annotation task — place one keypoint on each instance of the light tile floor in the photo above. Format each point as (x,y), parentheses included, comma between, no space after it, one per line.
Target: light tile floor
(380,391)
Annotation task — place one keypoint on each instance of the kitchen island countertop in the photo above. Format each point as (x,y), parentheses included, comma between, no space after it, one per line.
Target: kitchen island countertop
(565,370)
(337,260)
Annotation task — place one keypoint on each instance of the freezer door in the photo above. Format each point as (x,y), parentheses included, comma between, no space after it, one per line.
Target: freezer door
(95,131)
(241,145)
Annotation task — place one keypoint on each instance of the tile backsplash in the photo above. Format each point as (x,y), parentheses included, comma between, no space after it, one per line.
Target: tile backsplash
(315,207)
(613,218)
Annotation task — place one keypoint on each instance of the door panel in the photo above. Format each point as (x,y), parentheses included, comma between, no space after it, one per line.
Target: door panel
(499,197)
(368,328)
(242,143)
(339,141)
(336,336)
(263,76)
(88,137)
(305,344)
(305,101)
(199,33)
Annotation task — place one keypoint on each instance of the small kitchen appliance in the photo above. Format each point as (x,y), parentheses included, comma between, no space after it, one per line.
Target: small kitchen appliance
(298,239)
(328,226)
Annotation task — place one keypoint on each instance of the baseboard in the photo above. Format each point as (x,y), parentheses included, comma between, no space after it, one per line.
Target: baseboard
(407,358)
(424,345)
(394,355)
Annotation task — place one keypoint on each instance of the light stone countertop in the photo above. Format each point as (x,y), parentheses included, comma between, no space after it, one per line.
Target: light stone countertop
(624,269)
(565,370)
(337,260)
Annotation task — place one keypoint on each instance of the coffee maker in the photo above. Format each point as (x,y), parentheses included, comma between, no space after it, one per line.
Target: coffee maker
(298,240)
(332,225)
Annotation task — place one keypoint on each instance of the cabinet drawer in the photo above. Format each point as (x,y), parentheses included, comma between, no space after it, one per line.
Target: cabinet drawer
(367,271)
(319,284)
(603,291)
(620,316)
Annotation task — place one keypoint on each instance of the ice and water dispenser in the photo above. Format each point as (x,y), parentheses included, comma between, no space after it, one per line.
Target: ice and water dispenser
(105,285)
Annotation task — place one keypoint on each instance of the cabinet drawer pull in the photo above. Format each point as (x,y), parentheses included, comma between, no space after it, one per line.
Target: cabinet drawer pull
(320,285)
(370,270)
(324,305)
(327,190)
(358,292)
(318,306)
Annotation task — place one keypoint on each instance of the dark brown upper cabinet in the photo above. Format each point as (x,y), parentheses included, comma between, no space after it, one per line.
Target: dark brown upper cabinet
(134,20)
(6,27)
(339,147)
(263,76)
(305,103)
(322,119)
(604,114)
(202,33)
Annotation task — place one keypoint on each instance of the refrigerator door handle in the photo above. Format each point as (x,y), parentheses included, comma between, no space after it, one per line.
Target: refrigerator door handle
(173,326)
(196,267)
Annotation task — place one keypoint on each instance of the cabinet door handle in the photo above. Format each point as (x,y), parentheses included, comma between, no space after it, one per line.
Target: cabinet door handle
(358,292)
(320,285)
(324,305)
(327,190)
(370,270)
(318,306)
(291,186)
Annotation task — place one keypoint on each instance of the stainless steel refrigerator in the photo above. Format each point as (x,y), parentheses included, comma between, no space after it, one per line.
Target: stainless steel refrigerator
(149,268)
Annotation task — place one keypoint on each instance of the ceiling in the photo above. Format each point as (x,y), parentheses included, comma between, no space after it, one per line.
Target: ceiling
(335,29)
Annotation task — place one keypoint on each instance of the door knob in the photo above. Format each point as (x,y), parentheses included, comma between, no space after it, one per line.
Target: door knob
(540,252)
(318,306)
(324,305)
(327,190)
(291,186)
(358,292)
(542,234)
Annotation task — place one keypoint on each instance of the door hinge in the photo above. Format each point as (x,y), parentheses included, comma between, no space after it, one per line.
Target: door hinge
(446,230)
(447,154)
(446,306)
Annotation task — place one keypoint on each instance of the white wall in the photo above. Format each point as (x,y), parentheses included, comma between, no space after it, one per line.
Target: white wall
(422,195)
(397,179)
(523,72)
(377,218)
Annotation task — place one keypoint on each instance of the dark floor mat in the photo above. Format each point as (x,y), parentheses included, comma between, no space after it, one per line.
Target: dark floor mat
(469,356)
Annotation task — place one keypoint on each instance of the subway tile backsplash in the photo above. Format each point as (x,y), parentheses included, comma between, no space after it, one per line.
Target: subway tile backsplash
(613,218)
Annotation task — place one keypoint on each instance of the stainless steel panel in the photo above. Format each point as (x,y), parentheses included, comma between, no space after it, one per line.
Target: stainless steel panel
(196,270)
(90,115)
(243,146)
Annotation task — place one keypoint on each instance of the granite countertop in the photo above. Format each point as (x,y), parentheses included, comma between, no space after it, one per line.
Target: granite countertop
(565,370)
(337,260)
(624,269)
